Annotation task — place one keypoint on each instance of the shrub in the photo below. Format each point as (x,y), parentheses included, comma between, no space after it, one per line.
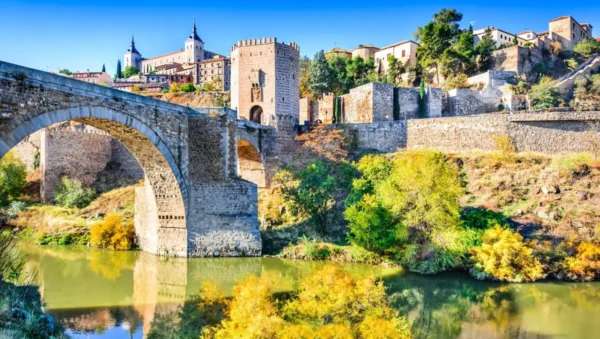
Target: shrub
(12,178)
(71,193)
(544,95)
(113,233)
(584,264)
(481,219)
(175,87)
(459,80)
(372,226)
(311,192)
(11,262)
(188,88)
(15,208)
(500,107)
(422,190)
(587,48)
(503,256)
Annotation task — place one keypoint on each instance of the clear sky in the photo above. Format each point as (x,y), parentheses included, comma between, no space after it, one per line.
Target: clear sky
(84,34)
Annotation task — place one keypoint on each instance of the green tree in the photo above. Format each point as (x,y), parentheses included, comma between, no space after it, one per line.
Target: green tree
(395,69)
(103,68)
(341,83)
(422,100)
(543,95)
(358,70)
(65,71)
(454,62)
(71,193)
(305,63)
(587,48)
(485,48)
(188,88)
(436,37)
(515,41)
(320,76)
(311,192)
(12,178)
(131,71)
(456,80)
(119,74)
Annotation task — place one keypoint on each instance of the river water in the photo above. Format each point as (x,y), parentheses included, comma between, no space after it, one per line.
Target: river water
(103,294)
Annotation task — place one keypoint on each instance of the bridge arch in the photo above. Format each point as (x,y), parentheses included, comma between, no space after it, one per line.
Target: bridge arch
(160,215)
(250,163)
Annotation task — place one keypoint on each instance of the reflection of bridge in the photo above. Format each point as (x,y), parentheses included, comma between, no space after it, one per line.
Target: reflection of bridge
(193,202)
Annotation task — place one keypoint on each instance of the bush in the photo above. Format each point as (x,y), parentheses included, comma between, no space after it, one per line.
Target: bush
(15,208)
(587,48)
(12,178)
(503,256)
(188,88)
(112,233)
(175,87)
(481,219)
(71,193)
(459,80)
(584,263)
(310,192)
(372,226)
(544,95)
(500,107)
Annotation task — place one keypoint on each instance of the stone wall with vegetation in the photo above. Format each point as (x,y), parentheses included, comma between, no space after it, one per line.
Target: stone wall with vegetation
(549,133)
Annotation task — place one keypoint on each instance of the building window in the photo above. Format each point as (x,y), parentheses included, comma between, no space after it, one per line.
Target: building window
(403,53)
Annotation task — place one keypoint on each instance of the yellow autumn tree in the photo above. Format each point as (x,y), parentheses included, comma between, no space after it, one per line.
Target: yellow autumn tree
(504,256)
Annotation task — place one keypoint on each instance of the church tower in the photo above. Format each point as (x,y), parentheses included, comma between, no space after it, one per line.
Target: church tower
(132,56)
(194,47)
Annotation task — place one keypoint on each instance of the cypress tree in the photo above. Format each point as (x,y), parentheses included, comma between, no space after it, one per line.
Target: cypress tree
(103,68)
(422,95)
(119,74)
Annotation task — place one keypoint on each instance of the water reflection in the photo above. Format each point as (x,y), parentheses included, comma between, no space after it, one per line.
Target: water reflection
(105,294)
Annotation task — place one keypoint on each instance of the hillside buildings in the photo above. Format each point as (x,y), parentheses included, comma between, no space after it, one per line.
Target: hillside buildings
(98,78)
(565,29)
(192,61)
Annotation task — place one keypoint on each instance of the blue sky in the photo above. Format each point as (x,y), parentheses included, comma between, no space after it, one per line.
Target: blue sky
(84,34)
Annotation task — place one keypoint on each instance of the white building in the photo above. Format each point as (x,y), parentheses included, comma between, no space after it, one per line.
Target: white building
(98,78)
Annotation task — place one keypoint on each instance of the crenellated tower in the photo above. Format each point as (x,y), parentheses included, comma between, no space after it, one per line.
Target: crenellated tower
(265,80)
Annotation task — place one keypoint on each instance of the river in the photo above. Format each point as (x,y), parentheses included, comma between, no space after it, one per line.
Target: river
(103,294)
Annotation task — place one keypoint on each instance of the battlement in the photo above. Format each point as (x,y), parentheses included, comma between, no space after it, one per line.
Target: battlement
(263,41)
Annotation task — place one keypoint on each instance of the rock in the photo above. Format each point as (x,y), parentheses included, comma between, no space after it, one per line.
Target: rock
(577,224)
(550,189)
(542,213)
(582,195)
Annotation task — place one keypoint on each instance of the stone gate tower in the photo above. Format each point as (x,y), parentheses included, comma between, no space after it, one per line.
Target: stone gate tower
(264,81)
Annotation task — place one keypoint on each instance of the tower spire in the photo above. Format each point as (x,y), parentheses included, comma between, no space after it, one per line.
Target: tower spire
(194,35)
(132,48)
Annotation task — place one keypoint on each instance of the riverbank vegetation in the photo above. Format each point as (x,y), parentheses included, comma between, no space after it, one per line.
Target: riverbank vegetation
(77,216)
(498,215)
(360,308)
(21,315)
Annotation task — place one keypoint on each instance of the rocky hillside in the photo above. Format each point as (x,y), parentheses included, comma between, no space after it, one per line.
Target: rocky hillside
(550,197)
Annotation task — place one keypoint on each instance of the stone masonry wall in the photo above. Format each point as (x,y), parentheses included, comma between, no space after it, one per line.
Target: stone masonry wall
(468,102)
(408,102)
(26,149)
(383,136)
(78,156)
(548,133)
(226,220)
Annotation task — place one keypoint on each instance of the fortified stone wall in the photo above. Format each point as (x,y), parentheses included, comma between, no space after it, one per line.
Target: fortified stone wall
(26,150)
(468,102)
(78,156)
(523,61)
(548,133)
(383,136)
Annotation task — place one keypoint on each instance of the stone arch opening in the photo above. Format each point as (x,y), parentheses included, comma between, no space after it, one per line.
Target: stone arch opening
(256,114)
(160,206)
(250,164)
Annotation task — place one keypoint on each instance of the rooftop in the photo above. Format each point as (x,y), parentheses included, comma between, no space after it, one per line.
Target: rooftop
(399,43)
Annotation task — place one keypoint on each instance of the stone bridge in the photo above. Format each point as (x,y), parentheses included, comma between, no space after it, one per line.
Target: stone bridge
(195,201)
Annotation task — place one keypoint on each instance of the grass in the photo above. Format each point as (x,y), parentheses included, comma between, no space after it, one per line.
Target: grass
(311,249)
(56,225)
